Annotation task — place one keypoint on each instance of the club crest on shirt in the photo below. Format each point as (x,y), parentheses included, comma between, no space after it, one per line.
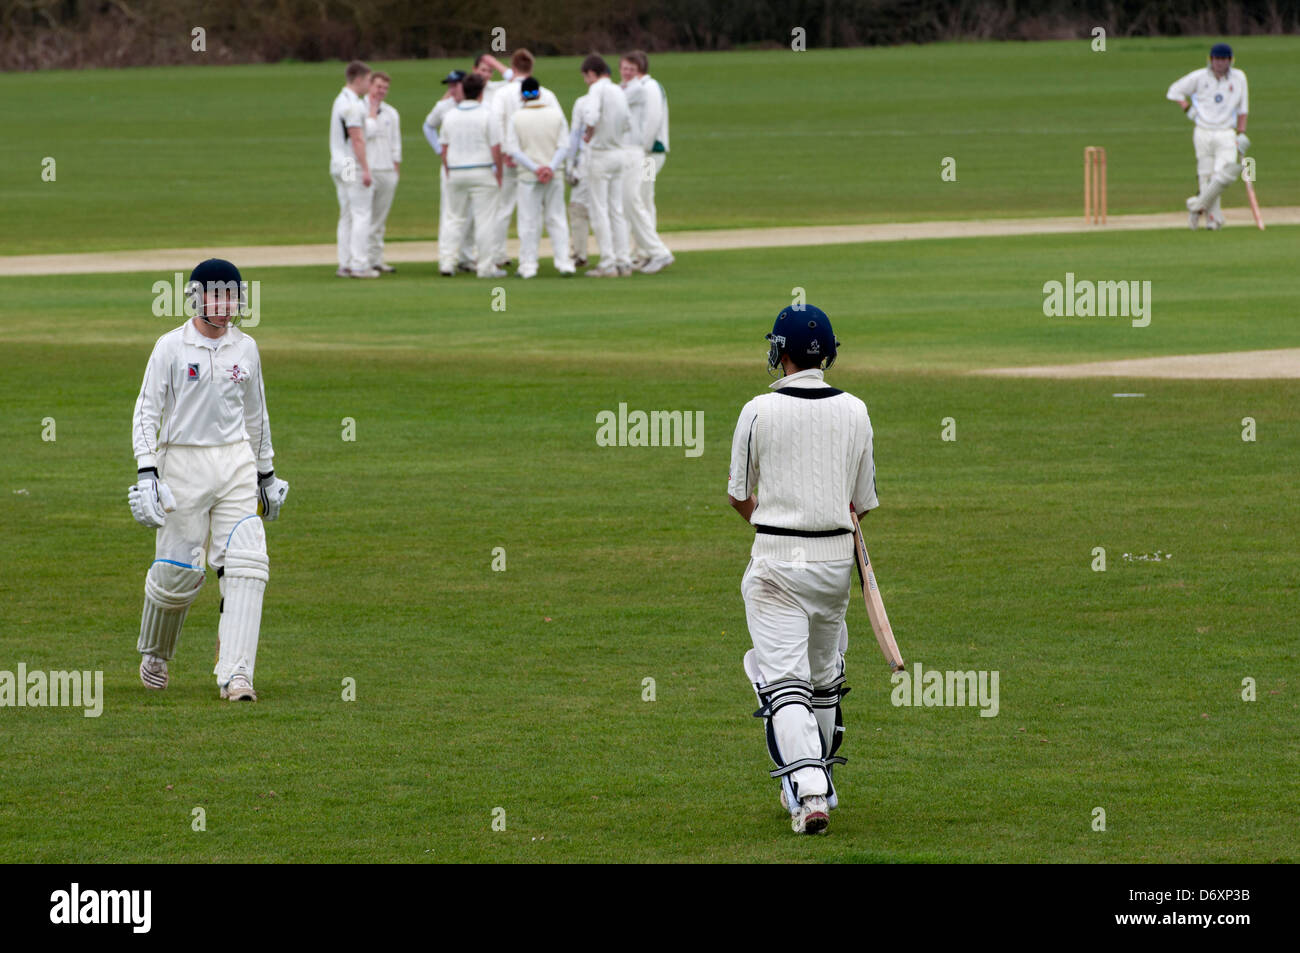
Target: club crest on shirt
(238,374)
(1218,97)
(192,372)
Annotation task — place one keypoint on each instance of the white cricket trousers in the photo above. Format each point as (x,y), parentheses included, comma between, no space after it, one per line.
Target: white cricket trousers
(608,174)
(354,215)
(579,212)
(639,200)
(465,254)
(796,622)
(215,488)
(1215,150)
(471,195)
(382,191)
(540,204)
(506,197)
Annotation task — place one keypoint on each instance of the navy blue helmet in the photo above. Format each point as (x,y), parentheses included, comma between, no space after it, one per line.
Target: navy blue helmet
(219,278)
(804,333)
(1221,51)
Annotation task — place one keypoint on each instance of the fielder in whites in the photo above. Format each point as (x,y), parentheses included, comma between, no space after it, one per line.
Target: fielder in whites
(203,448)
(799,457)
(432,126)
(350,170)
(1216,98)
(383,127)
(537,139)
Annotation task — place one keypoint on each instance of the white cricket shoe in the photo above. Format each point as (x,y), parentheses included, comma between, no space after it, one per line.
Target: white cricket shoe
(603,271)
(812,816)
(494,273)
(153,672)
(342,273)
(238,689)
(384,268)
(624,271)
(1214,224)
(364,273)
(656,265)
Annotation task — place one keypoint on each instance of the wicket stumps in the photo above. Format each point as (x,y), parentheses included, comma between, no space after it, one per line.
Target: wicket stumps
(1094,185)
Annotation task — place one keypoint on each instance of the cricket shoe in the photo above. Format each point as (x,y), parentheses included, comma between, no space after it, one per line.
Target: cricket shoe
(603,271)
(812,817)
(364,273)
(153,672)
(832,801)
(384,268)
(447,274)
(342,273)
(1213,224)
(238,689)
(494,273)
(624,271)
(468,267)
(640,261)
(579,263)
(656,265)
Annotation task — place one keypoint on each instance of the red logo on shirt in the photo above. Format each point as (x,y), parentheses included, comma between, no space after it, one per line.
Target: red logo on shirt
(238,374)
(192,372)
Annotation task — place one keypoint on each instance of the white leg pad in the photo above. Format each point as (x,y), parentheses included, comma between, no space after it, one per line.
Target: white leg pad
(169,590)
(244,580)
(1220,180)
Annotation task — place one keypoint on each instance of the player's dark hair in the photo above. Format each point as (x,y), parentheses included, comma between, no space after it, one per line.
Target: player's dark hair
(595,64)
(356,68)
(472,86)
(638,59)
(479,59)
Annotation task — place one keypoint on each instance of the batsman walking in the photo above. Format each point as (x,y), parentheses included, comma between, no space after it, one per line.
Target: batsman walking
(799,457)
(203,447)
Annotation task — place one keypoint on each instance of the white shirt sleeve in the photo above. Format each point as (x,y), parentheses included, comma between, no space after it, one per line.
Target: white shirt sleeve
(742,479)
(1244,108)
(149,407)
(1183,87)
(256,421)
(395,135)
(652,116)
(864,489)
(561,143)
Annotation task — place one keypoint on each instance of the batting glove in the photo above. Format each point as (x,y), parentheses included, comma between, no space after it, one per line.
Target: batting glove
(150,499)
(1191,113)
(271,493)
(1242,143)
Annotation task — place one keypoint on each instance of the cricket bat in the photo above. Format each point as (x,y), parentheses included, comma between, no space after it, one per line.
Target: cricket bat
(1254,204)
(871,596)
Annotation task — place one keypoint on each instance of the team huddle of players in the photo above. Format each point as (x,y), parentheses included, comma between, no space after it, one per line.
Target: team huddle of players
(506,145)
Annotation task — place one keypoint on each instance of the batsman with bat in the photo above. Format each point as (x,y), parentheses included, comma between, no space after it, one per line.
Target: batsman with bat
(801,456)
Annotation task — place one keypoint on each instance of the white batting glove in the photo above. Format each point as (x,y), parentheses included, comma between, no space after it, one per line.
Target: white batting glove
(1191,113)
(271,494)
(150,500)
(1242,143)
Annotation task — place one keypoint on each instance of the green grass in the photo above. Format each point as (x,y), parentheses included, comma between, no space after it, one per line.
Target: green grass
(522,689)
(224,155)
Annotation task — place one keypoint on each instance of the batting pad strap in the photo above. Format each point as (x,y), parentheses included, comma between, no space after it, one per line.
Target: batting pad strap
(835,759)
(777,695)
(799,765)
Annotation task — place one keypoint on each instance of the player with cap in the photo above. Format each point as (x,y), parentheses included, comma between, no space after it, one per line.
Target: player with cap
(800,457)
(202,442)
(1217,99)
(537,139)
(433,123)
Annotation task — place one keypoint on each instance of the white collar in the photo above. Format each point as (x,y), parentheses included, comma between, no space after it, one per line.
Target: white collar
(193,336)
(810,374)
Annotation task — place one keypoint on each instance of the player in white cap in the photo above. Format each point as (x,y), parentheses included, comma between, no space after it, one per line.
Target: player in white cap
(384,153)
(800,457)
(202,441)
(1217,99)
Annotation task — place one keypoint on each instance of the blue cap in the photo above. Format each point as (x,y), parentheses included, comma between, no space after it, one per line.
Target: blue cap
(1221,51)
(530,88)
